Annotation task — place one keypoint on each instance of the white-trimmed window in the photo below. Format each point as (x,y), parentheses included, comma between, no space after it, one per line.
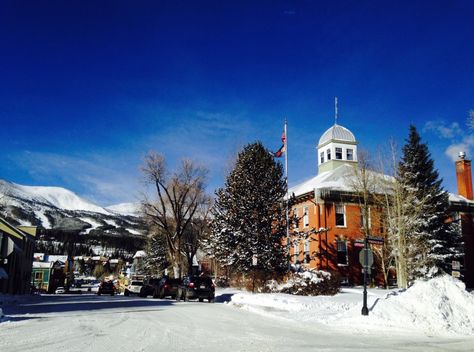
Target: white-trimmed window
(305,217)
(307,257)
(328,153)
(322,157)
(342,258)
(340,215)
(38,276)
(349,154)
(338,153)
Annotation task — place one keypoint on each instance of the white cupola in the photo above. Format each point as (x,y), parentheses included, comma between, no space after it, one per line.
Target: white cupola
(336,146)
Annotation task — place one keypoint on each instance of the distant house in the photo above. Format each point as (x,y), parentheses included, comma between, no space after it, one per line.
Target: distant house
(16,256)
(48,272)
(138,263)
(41,275)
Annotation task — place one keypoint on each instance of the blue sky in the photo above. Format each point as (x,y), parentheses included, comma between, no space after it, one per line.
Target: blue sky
(88,87)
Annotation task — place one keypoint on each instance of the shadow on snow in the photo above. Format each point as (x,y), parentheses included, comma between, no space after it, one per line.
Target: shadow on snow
(74,303)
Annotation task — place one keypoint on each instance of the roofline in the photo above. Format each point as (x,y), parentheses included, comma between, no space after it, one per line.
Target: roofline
(337,141)
(15,231)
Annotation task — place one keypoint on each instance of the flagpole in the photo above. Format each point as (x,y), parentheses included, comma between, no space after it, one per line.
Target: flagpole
(287,196)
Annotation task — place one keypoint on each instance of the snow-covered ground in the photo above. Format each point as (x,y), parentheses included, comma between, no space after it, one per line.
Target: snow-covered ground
(431,316)
(438,307)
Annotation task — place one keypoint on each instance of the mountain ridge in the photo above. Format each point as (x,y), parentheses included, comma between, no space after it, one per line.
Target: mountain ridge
(57,212)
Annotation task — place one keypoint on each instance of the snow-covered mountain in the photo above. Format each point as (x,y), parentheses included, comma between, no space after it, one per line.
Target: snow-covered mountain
(132,209)
(59,208)
(64,219)
(57,197)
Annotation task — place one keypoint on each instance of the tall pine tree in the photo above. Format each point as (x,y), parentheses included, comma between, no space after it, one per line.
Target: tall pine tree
(438,241)
(248,215)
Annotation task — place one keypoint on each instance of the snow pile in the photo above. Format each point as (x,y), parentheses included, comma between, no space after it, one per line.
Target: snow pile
(440,306)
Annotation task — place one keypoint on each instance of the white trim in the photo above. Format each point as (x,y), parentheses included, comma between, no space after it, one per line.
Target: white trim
(344,213)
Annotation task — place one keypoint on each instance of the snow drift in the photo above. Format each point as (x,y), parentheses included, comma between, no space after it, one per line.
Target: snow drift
(440,306)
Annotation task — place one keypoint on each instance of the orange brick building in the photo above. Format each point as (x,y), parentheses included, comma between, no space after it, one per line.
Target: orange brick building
(328,234)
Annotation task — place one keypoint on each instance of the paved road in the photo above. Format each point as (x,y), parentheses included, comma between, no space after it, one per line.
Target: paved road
(92,323)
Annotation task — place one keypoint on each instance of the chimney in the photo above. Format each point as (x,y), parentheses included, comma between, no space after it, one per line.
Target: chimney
(464,177)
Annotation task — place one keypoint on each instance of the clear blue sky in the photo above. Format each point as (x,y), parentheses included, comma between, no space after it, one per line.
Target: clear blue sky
(88,87)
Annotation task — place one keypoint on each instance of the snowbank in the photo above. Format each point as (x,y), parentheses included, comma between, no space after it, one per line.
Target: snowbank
(440,306)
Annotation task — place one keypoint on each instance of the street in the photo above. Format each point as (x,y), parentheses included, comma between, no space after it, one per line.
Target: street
(118,323)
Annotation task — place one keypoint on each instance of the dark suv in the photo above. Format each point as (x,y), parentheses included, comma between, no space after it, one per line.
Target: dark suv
(196,287)
(149,286)
(166,287)
(106,288)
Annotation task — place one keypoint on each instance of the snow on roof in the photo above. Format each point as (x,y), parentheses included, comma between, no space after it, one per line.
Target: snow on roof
(339,179)
(38,256)
(457,198)
(139,254)
(42,265)
(337,132)
(55,258)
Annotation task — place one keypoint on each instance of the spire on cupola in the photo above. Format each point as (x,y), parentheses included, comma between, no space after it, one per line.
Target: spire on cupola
(336,146)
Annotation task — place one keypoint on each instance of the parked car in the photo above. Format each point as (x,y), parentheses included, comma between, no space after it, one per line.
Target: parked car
(196,287)
(106,288)
(60,290)
(166,287)
(134,288)
(149,286)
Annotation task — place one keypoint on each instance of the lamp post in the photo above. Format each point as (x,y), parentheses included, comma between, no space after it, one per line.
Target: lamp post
(365,310)
(366,259)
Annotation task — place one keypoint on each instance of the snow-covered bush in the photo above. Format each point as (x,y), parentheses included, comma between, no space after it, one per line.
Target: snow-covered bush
(308,283)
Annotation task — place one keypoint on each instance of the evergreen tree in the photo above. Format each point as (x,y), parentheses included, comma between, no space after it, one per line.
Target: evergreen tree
(437,241)
(155,260)
(248,215)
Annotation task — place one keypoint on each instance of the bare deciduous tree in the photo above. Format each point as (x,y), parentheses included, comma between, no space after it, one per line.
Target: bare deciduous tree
(369,187)
(197,231)
(174,206)
(403,211)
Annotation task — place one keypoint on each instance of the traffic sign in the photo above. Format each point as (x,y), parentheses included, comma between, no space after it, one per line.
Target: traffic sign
(375,240)
(359,243)
(370,257)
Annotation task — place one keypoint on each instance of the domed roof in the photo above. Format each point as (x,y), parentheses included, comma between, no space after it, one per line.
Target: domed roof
(337,132)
